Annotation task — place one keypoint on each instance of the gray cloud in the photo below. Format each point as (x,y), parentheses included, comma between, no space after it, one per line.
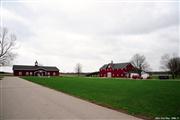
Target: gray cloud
(92,32)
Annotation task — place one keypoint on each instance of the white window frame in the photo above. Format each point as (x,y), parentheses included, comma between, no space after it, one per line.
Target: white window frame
(27,73)
(20,73)
(54,73)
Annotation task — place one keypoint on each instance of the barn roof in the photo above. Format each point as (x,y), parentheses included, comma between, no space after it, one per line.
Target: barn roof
(25,67)
(115,65)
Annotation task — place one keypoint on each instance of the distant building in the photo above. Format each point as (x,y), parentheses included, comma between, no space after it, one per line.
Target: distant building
(160,74)
(36,70)
(93,74)
(118,70)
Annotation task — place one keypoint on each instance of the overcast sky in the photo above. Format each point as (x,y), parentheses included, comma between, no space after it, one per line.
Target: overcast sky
(63,33)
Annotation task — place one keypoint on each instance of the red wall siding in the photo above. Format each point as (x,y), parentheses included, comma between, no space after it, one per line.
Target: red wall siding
(115,72)
(16,73)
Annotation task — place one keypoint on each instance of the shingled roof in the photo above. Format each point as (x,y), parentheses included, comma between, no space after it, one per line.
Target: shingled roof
(25,67)
(115,65)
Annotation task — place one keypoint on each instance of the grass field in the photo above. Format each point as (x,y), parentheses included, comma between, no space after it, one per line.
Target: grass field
(149,98)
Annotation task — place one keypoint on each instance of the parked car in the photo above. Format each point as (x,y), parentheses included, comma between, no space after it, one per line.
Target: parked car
(163,76)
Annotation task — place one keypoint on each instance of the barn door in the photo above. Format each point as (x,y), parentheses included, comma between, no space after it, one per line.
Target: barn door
(109,74)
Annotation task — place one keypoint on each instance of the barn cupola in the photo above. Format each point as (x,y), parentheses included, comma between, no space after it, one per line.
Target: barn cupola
(36,63)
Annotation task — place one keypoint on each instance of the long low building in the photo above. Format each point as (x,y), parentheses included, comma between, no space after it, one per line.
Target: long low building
(36,70)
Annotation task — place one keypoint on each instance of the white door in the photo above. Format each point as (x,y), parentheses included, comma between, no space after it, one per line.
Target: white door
(109,74)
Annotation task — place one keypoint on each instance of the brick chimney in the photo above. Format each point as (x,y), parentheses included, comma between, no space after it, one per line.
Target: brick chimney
(111,62)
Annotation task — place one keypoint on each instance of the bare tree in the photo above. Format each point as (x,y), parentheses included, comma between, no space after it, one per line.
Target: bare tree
(78,68)
(171,64)
(7,43)
(163,62)
(139,61)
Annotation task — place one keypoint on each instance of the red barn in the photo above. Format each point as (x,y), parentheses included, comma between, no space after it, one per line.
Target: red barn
(117,70)
(24,70)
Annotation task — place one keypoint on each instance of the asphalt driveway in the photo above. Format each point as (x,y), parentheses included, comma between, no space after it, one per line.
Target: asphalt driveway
(23,100)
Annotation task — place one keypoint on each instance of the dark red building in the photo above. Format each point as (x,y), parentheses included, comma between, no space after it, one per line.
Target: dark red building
(117,70)
(24,70)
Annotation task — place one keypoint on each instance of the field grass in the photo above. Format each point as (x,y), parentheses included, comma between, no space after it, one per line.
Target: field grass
(149,98)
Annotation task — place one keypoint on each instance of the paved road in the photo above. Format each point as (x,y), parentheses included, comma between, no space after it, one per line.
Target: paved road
(23,100)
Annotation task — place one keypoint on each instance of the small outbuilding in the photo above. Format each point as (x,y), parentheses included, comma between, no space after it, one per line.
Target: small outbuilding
(36,70)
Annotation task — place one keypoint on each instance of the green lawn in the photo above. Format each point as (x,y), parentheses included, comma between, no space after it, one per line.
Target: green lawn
(149,98)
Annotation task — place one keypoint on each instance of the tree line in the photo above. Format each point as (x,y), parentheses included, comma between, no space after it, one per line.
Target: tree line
(167,63)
